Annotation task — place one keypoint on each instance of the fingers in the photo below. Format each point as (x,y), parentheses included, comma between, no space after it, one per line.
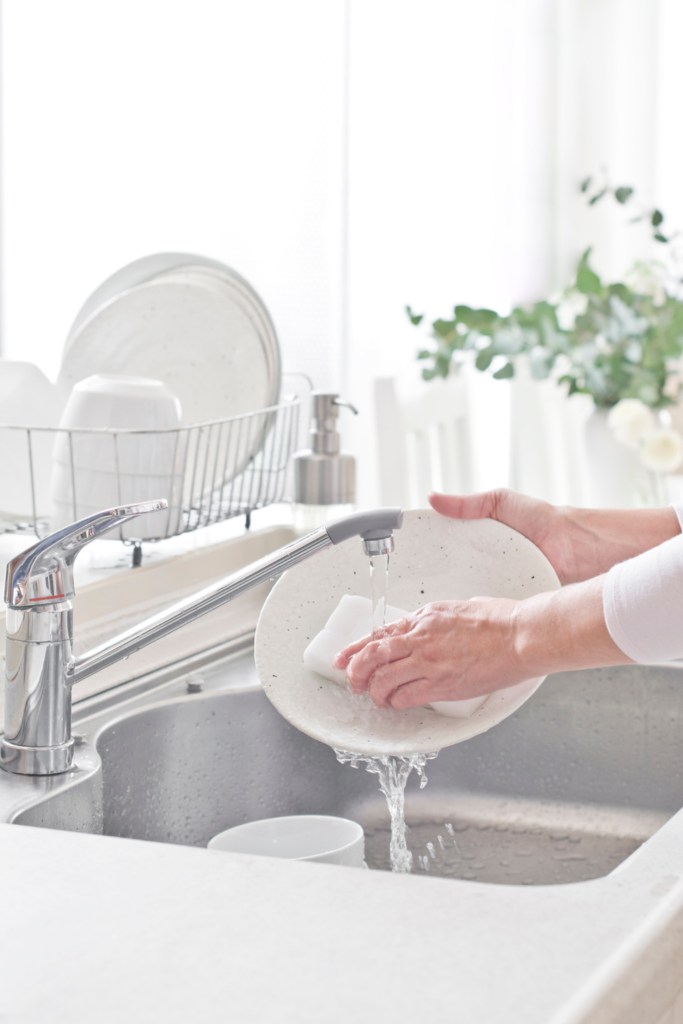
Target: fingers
(390,680)
(486,505)
(412,695)
(377,654)
(394,628)
(344,657)
(530,516)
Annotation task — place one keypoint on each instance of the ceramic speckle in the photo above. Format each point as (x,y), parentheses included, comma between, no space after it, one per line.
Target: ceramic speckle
(436,559)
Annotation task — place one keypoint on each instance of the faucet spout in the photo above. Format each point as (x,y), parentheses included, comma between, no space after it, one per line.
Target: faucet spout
(37,738)
(374,524)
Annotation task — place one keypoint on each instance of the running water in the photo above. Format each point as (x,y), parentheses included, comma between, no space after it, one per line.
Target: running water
(393,774)
(379,584)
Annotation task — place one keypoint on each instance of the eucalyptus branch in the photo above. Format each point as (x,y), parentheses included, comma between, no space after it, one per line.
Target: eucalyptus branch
(610,341)
(596,189)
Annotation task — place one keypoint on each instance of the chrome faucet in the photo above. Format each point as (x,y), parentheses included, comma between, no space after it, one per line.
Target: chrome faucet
(40,666)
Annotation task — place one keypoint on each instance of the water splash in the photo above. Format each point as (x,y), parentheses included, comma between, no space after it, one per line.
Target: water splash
(393,774)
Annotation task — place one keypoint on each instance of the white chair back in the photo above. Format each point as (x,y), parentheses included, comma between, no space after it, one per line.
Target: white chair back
(424,441)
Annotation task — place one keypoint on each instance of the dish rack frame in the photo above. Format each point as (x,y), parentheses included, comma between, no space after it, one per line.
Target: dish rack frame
(223,468)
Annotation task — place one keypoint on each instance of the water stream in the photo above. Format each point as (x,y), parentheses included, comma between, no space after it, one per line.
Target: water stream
(379,584)
(393,774)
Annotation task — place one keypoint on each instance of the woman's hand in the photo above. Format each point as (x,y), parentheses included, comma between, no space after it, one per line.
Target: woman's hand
(448,650)
(451,650)
(579,543)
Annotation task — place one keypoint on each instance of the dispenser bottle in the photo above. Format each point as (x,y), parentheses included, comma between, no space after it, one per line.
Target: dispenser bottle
(324,476)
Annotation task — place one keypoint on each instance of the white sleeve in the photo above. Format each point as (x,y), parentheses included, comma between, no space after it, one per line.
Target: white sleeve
(643,602)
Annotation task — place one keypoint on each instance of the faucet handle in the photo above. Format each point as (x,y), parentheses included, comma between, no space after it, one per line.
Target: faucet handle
(43,574)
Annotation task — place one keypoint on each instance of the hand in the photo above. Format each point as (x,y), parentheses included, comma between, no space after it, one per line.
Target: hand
(451,650)
(578,543)
(448,650)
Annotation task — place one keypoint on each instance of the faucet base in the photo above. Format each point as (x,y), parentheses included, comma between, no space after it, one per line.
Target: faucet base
(36,760)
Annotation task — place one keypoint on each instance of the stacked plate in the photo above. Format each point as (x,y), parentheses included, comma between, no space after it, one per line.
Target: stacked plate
(190,322)
(200,329)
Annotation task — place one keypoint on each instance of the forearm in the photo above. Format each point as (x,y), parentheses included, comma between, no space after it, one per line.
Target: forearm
(564,630)
(597,539)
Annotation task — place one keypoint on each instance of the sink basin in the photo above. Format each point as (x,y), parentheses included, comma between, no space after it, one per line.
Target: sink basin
(564,790)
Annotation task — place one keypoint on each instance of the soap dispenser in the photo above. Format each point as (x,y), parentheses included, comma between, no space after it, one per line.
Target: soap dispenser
(324,476)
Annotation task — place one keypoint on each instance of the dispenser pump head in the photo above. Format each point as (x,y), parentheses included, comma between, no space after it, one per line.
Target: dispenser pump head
(324,412)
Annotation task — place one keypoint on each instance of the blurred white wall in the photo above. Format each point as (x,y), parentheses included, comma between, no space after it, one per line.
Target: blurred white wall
(451,186)
(347,157)
(139,126)
(611,74)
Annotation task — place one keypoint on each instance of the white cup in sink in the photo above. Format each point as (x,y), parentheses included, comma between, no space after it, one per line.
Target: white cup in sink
(311,837)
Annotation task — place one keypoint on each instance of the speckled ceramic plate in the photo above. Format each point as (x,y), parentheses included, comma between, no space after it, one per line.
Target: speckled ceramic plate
(199,331)
(436,559)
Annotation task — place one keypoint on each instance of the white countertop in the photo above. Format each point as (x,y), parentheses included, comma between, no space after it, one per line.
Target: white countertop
(103,929)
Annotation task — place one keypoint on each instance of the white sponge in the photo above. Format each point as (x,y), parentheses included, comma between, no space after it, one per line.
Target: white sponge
(350,621)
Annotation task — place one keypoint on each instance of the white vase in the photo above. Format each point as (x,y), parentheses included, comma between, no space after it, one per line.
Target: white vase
(616,478)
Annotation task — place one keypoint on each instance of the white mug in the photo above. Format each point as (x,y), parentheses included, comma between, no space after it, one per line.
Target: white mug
(312,837)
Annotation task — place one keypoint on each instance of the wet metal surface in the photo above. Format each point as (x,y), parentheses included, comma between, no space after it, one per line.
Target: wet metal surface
(563,790)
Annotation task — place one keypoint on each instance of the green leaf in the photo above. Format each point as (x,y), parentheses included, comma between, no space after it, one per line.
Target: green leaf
(571,381)
(478,318)
(660,237)
(443,328)
(541,361)
(483,360)
(414,319)
(596,197)
(623,194)
(587,281)
(506,371)
(657,218)
(586,184)
(424,354)
(428,374)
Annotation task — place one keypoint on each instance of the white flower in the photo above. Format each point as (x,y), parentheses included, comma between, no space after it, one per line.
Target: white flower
(630,419)
(573,304)
(662,450)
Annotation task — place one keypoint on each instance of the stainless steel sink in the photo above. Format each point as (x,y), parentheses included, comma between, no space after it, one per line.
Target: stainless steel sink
(564,790)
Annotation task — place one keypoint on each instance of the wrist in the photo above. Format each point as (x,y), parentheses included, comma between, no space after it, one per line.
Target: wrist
(564,630)
(600,538)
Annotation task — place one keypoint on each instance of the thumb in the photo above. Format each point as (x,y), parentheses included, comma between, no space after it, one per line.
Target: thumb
(467,506)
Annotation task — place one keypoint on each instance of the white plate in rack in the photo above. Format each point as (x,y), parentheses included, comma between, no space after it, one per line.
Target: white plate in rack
(199,327)
(436,559)
(202,331)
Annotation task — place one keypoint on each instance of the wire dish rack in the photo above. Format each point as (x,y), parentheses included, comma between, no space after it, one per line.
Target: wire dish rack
(208,472)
